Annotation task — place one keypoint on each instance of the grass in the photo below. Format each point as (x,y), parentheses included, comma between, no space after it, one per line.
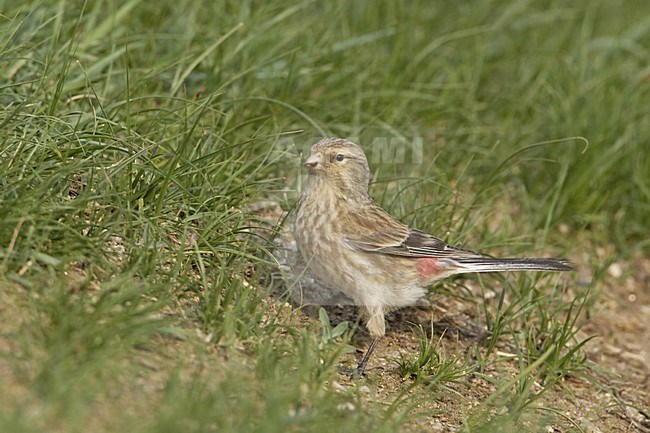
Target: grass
(138,138)
(431,365)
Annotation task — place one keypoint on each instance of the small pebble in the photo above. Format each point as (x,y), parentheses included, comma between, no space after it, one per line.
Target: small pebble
(615,270)
(346,406)
(589,427)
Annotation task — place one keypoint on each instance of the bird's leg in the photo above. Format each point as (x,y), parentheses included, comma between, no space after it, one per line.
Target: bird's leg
(361,367)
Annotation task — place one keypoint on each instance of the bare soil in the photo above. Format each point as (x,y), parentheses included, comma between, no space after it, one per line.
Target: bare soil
(613,397)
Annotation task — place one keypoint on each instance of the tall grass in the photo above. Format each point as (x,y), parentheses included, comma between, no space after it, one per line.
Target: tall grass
(136,136)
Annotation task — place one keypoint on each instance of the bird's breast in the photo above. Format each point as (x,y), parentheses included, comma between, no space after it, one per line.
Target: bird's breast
(317,227)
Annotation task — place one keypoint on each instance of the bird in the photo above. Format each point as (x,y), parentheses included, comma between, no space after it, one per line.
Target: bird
(351,244)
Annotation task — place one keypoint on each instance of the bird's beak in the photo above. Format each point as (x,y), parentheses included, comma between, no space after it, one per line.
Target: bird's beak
(314,162)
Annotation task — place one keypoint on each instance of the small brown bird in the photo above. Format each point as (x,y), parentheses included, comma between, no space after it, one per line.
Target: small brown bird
(352,245)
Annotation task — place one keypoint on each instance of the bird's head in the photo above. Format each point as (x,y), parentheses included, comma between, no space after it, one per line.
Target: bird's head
(340,163)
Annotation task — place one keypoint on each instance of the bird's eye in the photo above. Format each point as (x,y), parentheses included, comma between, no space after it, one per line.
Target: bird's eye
(340,157)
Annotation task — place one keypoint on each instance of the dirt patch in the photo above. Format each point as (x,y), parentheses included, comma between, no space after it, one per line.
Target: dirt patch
(613,396)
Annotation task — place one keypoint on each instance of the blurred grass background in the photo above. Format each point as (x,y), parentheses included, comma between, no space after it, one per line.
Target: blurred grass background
(137,137)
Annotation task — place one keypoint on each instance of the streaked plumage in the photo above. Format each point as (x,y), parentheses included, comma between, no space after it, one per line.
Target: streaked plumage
(352,245)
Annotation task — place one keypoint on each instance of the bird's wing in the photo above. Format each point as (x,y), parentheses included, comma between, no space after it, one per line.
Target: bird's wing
(371,229)
(420,244)
(374,230)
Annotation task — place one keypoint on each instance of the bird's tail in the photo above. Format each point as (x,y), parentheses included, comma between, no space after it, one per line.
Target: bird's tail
(488,264)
